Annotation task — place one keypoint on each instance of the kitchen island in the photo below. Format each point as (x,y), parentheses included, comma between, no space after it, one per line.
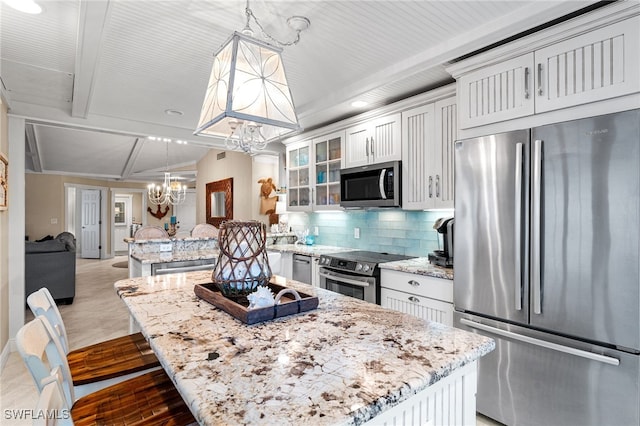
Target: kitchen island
(346,362)
(170,255)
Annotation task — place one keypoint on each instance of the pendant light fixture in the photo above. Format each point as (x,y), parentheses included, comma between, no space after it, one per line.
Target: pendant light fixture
(171,191)
(248,101)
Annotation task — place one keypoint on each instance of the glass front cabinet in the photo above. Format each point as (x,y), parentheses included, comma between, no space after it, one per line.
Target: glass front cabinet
(298,170)
(313,167)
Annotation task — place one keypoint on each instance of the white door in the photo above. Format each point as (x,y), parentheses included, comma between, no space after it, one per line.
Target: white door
(121,221)
(90,224)
(185,213)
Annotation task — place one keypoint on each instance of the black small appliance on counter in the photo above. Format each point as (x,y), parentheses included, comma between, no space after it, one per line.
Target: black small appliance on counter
(444,257)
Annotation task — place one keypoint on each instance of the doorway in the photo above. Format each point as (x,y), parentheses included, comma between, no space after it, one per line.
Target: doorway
(185,213)
(122,221)
(86,218)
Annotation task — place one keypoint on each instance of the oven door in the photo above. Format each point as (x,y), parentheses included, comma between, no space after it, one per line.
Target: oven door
(358,286)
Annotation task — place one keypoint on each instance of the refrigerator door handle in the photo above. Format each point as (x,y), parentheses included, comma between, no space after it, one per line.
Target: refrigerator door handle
(536,207)
(542,343)
(518,228)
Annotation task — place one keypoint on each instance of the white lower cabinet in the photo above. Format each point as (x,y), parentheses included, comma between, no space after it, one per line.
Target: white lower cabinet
(315,271)
(286,265)
(419,295)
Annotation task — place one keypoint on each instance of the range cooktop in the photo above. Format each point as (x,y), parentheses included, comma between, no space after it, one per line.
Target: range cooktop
(369,256)
(359,261)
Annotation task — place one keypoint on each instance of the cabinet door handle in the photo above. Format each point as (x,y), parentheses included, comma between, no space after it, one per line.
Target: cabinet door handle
(366,144)
(413,283)
(539,79)
(526,82)
(371,141)
(437,186)
(430,186)
(414,299)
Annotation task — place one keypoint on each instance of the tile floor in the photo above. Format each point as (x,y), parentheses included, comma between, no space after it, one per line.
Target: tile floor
(96,314)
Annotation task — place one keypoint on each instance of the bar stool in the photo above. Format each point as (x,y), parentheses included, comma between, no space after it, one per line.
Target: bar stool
(101,364)
(148,399)
(150,232)
(204,230)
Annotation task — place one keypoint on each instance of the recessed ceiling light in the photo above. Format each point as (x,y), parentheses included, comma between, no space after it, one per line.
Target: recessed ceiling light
(359,104)
(26,6)
(173,112)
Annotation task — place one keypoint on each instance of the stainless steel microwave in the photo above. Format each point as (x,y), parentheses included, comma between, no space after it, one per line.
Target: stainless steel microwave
(373,185)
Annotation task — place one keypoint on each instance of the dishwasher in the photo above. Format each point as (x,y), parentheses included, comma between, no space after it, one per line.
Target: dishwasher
(183,266)
(302,268)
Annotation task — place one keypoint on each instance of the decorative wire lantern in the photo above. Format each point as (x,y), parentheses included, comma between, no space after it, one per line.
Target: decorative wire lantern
(243,263)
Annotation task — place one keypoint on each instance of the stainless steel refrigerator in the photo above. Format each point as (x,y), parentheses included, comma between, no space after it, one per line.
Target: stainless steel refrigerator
(547,263)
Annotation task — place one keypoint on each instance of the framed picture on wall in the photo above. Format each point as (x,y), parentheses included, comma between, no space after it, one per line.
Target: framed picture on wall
(4,185)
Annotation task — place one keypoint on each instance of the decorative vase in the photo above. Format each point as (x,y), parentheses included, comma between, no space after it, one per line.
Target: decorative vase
(243,263)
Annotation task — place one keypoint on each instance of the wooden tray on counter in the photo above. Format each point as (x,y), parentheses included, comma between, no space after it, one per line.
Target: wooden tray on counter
(239,309)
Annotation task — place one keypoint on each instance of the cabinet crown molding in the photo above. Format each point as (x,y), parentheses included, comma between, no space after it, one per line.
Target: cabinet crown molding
(396,107)
(598,18)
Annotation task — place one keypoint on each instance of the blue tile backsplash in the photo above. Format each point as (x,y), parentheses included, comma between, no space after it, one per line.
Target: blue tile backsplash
(390,231)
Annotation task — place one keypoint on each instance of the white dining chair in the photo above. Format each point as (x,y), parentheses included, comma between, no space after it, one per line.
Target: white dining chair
(101,364)
(150,398)
(52,404)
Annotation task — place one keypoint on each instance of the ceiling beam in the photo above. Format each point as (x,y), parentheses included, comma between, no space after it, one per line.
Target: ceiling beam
(93,18)
(133,156)
(41,114)
(32,144)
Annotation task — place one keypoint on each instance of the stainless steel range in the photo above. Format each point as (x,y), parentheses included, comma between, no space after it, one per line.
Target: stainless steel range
(355,273)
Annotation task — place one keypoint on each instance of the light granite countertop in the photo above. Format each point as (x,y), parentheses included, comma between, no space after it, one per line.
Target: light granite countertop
(175,256)
(165,240)
(342,363)
(420,266)
(311,250)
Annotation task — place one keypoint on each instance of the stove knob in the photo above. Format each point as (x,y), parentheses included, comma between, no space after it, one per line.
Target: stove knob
(366,268)
(359,267)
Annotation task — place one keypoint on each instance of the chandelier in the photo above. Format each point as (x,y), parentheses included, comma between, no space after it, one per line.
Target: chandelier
(171,191)
(248,101)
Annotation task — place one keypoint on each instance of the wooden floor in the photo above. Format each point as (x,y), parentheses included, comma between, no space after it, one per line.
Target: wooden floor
(96,314)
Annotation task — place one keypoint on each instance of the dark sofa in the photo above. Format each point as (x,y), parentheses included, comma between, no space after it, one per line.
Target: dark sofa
(52,264)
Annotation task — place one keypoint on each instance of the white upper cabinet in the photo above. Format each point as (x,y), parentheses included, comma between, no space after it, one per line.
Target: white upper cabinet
(497,92)
(418,139)
(313,169)
(428,136)
(374,141)
(446,114)
(299,171)
(327,165)
(599,62)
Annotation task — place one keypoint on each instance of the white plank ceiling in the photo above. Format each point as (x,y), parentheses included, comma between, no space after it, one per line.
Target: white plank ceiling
(94,78)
